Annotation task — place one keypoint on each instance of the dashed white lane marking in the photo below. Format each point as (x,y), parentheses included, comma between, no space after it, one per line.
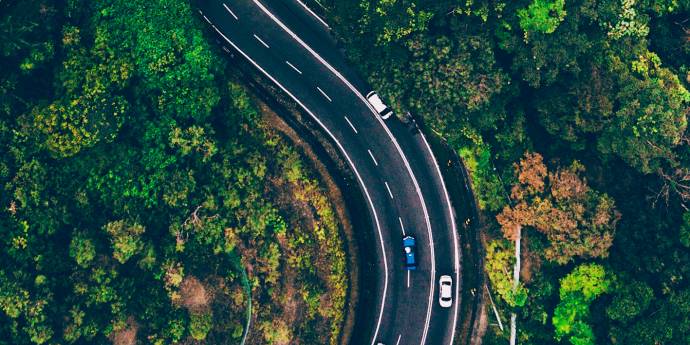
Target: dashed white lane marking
(313,14)
(432,280)
(324,94)
(262,41)
(293,67)
(389,189)
(226,49)
(372,158)
(206,18)
(351,125)
(402,227)
(349,160)
(230,11)
(408,279)
(398,342)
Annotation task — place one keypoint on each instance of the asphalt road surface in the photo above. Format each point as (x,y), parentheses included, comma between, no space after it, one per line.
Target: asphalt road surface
(393,165)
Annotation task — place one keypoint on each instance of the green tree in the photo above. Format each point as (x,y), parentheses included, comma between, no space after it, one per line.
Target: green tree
(193,139)
(500,258)
(635,109)
(200,324)
(82,249)
(169,52)
(91,110)
(125,238)
(14,300)
(392,20)
(542,16)
(578,289)
(667,324)
(630,299)
(651,117)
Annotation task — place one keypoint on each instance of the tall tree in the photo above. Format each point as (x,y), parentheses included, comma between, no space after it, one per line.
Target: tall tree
(578,289)
(576,220)
(125,238)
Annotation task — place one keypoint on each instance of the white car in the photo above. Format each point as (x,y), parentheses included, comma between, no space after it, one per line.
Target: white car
(445,291)
(378,105)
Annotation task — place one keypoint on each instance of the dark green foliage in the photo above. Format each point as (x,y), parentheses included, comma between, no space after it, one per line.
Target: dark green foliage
(174,61)
(630,299)
(124,176)
(684,233)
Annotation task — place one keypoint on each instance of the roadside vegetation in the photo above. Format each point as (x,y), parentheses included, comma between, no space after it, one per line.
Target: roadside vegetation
(142,194)
(572,119)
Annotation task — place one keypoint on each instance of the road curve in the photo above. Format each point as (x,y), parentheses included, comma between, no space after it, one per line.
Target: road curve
(393,165)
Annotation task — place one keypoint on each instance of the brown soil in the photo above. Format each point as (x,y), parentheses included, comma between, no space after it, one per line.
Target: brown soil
(126,335)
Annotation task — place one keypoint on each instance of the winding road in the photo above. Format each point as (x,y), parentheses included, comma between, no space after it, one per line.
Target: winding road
(391,160)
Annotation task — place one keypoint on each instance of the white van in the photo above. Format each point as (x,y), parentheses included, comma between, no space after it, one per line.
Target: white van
(378,105)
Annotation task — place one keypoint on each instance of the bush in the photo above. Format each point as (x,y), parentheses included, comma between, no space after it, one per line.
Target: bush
(200,324)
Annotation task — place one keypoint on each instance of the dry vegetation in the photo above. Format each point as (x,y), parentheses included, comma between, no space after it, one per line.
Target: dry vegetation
(127,335)
(194,296)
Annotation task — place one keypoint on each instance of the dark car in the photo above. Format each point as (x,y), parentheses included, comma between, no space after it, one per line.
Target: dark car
(410,246)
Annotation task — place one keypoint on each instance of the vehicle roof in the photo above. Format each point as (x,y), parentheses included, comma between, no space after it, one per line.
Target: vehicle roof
(409,258)
(376,102)
(445,289)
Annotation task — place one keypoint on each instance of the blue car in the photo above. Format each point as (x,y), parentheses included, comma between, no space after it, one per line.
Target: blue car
(409,246)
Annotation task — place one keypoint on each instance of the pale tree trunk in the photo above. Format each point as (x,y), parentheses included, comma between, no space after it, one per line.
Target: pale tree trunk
(516,283)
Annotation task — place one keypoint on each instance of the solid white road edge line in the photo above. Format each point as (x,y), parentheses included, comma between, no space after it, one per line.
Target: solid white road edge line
(349,160)
(262,41)
(293,67)
(389,189)
(456,241)
(402,227)
(313,14)
(372,157)
(324,94)
(206,18)
(229,10)
(351,125)
(432,279)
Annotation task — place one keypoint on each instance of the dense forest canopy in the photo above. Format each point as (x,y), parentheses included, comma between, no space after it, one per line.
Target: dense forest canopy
(143,197)
(572,117)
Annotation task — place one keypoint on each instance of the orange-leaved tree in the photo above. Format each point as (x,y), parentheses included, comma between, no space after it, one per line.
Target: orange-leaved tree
(577,220)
